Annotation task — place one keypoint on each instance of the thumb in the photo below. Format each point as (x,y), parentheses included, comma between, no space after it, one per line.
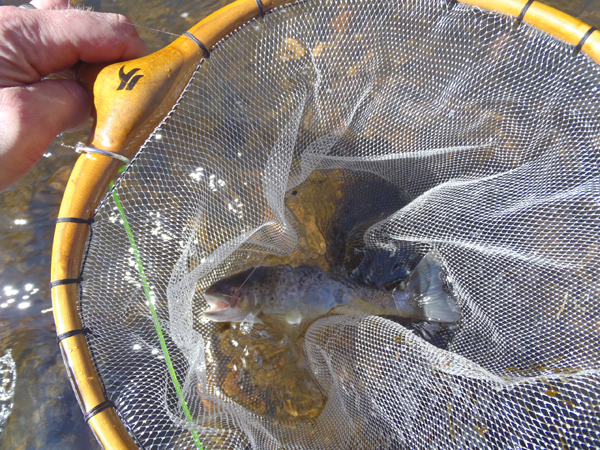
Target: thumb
(32,116)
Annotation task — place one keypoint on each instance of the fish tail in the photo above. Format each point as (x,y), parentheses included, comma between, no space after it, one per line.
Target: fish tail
(437,304)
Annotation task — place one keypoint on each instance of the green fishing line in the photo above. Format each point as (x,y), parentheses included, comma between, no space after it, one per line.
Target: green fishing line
(159,332)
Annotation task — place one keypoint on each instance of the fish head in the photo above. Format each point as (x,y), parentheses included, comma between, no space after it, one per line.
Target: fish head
(233,298)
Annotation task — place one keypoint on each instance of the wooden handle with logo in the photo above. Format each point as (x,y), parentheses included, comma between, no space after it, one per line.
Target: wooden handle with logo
(132,97)
(138,93)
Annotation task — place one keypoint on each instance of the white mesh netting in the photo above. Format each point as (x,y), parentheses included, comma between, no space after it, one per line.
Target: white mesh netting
(491,129)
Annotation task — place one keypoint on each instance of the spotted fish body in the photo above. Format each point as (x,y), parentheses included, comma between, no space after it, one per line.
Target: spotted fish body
(284,296)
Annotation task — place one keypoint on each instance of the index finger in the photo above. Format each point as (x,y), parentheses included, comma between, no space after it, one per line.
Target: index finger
(44,42)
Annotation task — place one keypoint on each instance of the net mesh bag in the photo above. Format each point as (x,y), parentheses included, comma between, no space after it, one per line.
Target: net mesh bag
(489,127)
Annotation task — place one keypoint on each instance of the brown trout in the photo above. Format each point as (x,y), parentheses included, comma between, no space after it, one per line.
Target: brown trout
(283,296)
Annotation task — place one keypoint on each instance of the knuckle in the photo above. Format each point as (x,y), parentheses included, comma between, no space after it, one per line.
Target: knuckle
(122,19)
(10,21)
(125,26)
(119,22)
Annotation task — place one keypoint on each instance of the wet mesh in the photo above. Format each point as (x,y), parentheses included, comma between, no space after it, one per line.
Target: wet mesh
(491,128)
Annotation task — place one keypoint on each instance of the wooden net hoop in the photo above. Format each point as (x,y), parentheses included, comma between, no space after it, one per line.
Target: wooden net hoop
(120,131)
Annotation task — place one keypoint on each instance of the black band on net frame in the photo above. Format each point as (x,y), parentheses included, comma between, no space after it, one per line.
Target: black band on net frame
(68,334)
(585,37)
(65,281)
(261,11)
(99,408)
(524,11)
(74,220)
(198,43)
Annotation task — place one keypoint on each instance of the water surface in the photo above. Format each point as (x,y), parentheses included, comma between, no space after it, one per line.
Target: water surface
(44,412)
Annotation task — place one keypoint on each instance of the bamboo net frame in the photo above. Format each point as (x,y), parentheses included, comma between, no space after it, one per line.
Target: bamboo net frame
(120,131)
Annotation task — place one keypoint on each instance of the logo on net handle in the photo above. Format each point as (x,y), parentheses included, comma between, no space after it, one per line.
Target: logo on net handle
(128,81)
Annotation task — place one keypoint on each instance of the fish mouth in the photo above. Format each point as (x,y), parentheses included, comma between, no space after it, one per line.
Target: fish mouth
(217,305)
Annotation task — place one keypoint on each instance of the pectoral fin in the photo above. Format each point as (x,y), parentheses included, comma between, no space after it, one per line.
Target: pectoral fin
(278,322)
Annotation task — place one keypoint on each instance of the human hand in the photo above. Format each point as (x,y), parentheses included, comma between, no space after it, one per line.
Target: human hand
(34,44)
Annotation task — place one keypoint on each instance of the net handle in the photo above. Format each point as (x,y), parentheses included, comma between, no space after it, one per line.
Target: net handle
(131,98)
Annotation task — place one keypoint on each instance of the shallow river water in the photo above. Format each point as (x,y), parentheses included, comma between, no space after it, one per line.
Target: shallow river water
(37,406)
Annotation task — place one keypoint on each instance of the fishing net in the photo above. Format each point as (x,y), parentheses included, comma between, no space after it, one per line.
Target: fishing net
(490,131)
